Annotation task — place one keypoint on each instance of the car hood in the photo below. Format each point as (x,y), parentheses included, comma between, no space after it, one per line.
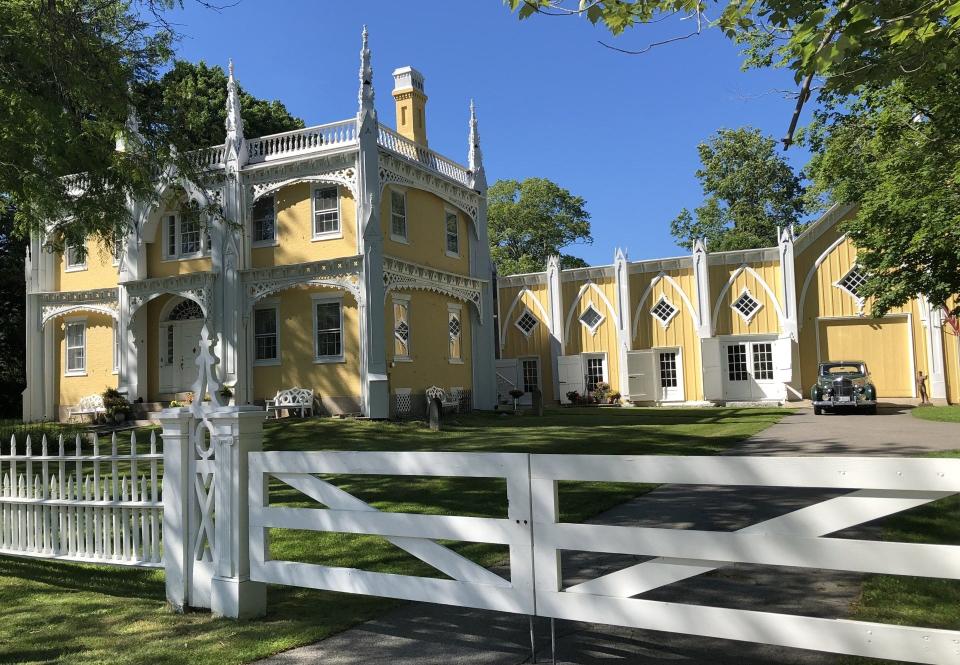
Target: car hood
(828,380)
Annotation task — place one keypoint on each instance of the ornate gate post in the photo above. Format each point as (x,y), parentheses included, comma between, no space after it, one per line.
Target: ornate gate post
(177,506)
(236,432)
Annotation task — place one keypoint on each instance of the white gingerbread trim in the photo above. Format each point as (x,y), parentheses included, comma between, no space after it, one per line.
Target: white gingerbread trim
(60,303)
(197,286)
(342,273)
(399,274)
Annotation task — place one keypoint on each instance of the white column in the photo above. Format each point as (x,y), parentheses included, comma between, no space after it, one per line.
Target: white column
(788,355)
(557,341)
(624,342)
(936,360)
(238,432)
(709,345)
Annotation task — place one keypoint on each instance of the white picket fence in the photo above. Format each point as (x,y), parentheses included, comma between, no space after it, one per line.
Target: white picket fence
(94,507)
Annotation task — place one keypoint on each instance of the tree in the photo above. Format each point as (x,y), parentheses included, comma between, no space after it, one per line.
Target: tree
(190,103)
(844,43)
(750,191)
(12,288)
(894,151)
(531,220)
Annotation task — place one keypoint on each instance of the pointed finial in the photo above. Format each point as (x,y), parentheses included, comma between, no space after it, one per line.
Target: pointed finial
(366,75)
(234,122)
(620,256)
(700,246)
(474,154)
(230,66)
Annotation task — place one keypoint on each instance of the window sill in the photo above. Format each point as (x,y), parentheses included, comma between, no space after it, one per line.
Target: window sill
(402,359)
(455,361)
(76,373)
(268,362)
(400,239)
(451,255)
(329,360)
(75,268)
(185,257)
(256,244)
(320,237)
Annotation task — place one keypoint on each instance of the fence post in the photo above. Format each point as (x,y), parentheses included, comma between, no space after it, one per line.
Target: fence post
(238,431)
(177,488)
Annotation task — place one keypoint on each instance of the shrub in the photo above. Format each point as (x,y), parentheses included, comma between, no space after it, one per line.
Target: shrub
(601,392)
(574,397)
(115,403)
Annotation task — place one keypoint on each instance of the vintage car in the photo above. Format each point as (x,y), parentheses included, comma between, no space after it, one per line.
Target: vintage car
(843,384)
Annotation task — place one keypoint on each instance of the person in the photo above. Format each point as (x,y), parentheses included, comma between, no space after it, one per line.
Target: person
(922,387)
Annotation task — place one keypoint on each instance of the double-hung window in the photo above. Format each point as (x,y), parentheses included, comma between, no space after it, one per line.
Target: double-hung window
(401,327)
(76,343)
(326,213)
(264,221)
(265,336)
(76,258)
(398,216)
(452,235)
(184,238)
(328,328)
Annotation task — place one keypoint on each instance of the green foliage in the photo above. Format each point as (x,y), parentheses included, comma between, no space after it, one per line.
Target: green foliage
(115,403)
(750,191)
(64,99)
(895,150)
(943,414)
(190,102)
(12,295)
(531,220)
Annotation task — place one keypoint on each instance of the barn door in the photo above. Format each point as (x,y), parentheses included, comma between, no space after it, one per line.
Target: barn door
(641,376)
(570,372)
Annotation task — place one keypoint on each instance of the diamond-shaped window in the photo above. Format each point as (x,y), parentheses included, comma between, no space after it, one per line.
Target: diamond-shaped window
(454,327)
(746,306)
(591,318)
(852,282)
(664,311)
(527,323)
(402,331)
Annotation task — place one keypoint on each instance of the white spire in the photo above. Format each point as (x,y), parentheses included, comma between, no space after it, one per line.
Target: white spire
(475,155)
(366,76)
(234,123)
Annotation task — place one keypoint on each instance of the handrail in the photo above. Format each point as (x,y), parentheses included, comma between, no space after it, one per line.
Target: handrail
(404,147)
(275,146)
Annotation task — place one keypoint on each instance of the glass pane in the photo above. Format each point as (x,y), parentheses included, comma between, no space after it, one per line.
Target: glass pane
(737,362)
(265,321)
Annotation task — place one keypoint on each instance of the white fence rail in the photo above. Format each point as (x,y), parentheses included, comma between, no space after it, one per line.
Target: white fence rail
(471,585)
(95,508)
(796,539)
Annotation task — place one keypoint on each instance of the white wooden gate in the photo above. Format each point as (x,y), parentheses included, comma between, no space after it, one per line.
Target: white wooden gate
(570,373)
(796,539)
(471,585)
(641,376)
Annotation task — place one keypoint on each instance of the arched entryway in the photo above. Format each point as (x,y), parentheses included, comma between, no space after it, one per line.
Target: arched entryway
(179,336)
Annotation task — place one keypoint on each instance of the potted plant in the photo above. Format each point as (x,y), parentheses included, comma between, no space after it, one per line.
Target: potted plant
(516,394)
(600,392)
(226,394)
(615,398)
(117,406)
(573,397)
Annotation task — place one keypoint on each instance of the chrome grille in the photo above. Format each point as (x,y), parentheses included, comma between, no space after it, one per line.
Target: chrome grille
(843,387)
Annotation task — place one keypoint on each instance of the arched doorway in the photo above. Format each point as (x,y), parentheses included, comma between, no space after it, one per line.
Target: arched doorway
(179,338)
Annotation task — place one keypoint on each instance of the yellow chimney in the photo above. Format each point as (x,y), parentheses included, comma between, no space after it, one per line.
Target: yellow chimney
(411,104)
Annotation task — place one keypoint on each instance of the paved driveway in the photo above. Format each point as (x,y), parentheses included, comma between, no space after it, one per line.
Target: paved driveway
(422,633)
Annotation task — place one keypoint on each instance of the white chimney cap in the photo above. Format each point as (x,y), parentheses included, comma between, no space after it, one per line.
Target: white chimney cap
(407,77)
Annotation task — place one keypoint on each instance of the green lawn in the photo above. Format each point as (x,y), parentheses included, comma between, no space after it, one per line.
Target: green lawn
(945,414)
(915,601)
(68,613)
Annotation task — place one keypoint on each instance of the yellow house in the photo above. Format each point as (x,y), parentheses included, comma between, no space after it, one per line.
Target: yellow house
(357,264)
(721,327)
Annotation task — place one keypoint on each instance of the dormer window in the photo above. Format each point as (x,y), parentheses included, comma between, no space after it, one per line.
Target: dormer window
(264,220)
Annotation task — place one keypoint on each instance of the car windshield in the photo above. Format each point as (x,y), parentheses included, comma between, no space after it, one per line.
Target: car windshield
(833,369)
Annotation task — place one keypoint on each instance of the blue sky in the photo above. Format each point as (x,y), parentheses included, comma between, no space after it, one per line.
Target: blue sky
(619,130)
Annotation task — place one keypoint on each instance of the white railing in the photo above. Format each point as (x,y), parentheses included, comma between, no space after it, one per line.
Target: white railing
(470,585)
(795,539)
(207,158)
(95,508)
(320,137)
(404,147)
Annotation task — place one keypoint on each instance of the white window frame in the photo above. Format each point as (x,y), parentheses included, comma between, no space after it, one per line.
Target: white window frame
(405,238)
(456,309)
(325,235)
(67,371)
(676,310)
(447,212)
(402,299)
(516,322)
(69,265)
(839,284)
(178,239)
(521,379)
(273,304)
(116,347)
(273,242)
(747,319)
(593,330)
(318,299)
(584,360)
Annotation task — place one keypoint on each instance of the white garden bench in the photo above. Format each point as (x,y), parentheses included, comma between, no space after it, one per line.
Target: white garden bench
(91,405)
(291,399)
(447,402)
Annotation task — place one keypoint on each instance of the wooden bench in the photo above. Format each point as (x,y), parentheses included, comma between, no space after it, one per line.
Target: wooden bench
(91,405)
(291,399)
(447,402)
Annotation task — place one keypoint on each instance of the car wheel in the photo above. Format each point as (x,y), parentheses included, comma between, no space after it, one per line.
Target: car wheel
(872,410)
(817,410)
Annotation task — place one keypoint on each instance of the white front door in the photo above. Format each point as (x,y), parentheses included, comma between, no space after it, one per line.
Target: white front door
(670,375)
(748,371)
(641,376)
(179,345)
(570,376)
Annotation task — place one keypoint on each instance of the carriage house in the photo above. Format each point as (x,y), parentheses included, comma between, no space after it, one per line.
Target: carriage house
(723,327)
(358,266)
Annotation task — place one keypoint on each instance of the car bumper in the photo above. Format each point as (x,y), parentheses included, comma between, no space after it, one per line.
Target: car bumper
(840,405)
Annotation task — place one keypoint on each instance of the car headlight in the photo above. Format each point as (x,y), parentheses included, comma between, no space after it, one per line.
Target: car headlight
(859,390)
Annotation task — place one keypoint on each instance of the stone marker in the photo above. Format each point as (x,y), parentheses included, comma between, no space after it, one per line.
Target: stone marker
(537,402)
(434,411)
